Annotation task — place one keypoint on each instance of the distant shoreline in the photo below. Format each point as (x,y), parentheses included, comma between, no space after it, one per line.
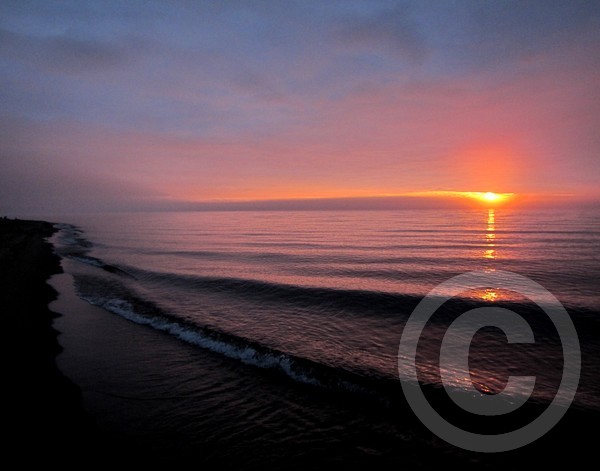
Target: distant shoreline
(42,409)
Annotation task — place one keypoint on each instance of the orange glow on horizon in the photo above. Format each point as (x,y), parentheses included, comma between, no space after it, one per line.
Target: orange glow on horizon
(488,197)
(491,199)
(491,165)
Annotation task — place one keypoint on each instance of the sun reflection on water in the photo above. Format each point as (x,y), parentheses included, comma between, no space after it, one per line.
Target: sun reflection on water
(490,237)
(490,254)
(489,295)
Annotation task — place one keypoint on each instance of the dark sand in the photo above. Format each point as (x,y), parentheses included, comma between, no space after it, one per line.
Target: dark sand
(42,409)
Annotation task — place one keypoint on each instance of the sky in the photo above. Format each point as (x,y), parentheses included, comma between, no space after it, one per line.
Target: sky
(162,105)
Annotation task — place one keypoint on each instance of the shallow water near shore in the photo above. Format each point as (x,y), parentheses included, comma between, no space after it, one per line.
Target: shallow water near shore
(150,391)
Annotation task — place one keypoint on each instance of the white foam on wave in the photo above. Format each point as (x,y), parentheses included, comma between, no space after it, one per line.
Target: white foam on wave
(245,354)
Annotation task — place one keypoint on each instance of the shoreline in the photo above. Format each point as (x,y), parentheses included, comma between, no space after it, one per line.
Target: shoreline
(43,409)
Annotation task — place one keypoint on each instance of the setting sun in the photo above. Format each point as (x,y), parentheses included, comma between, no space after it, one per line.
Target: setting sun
(489,196)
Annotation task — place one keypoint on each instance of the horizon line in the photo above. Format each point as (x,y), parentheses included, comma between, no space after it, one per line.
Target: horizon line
(442,199)
(433,200)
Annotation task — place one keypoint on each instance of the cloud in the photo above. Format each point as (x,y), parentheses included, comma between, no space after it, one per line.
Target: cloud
(500,32)
(61,54)
(49,168)
(36,184)
(391,31)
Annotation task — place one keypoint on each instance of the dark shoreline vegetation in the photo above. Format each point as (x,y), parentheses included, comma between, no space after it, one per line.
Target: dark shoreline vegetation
(43,409)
